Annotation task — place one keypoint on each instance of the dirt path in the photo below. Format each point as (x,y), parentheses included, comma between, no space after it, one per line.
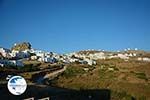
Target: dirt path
(45,70)
(55,73)
(50,75)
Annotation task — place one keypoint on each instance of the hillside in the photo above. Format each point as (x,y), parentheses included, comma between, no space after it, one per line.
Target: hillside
(126,80)
(21,46)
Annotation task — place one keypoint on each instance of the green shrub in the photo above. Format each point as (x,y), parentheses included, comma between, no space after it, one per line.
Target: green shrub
(142,98)
(73,71)
(122,95)
(28,68)
(141,75)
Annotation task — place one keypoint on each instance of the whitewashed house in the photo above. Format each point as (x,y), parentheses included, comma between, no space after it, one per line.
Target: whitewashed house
(112,56)
(6,62)
(122,56)
(47,59)
(139,59)
(39,53)
(20,54)
(90,62)
(5,52)
(96,56)
(134,54)
(34,57)
(73,60)
(50,60)
(41,59)
(144,59)
(18,63)
(126,54)
(130,55)
(26,53)
(14,53)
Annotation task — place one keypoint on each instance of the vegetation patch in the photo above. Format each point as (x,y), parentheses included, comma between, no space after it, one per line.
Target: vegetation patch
(123,95)
(29,68)
(141,75)
(114,67)
(73,71)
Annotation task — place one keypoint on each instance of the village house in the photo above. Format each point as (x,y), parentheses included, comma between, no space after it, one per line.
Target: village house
(5,62)
(73,60)
(38,53)
(33,57)
(96,56)
(20,54)
(130,55)
(90,62)
(144,59)
(47,59)
(119,55)
(5,52)
(112,56)
(122,56)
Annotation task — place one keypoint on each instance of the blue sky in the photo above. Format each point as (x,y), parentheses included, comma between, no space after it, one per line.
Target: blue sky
(69,25)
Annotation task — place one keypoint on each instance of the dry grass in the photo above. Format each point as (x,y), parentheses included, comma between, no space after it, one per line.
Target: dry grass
(131,77)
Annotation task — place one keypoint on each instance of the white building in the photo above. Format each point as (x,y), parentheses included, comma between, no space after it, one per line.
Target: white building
(112,56)
(96,56)
(6,62)
(134,54)
(5,52)
(90,62)
(73,60)
(144,59)
(47,59)
(139,59)
(122,56)
(34,57)
(130,55)
(39,53)
(20,54)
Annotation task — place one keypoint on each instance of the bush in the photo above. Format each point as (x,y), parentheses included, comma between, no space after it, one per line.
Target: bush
(141,75)
(73,71)
(122,95)
(142,98)
(28,68)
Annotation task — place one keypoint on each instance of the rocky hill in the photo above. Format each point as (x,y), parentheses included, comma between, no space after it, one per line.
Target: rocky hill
(21,46)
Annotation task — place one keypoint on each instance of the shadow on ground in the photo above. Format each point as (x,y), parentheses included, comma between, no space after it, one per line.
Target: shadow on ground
(55,93)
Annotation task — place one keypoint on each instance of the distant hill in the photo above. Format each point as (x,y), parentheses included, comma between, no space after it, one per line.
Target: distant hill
(87,52)
(139,53)
(21,46)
